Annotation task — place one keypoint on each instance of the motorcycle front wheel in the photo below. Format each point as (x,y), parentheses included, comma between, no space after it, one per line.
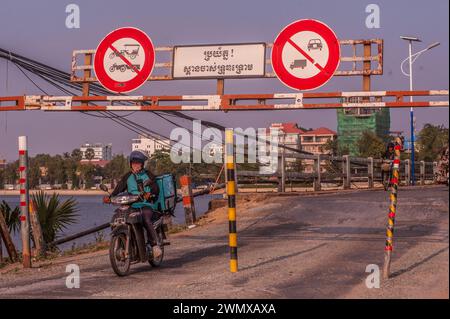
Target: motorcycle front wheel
(119,262)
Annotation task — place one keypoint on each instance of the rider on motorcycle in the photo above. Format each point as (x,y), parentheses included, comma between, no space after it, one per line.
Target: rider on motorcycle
(132,182)
(388,157)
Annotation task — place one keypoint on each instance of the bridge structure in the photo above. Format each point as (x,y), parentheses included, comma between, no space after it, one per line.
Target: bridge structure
(352,64)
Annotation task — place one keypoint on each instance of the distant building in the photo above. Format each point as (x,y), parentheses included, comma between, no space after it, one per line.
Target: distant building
(150,144)
(294,137)
(102,152)
(407,145)
(2,163)
(313,142)
(289,134)
(43,171)
(353,122)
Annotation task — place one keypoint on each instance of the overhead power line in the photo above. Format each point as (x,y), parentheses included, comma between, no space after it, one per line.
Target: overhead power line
(61,80)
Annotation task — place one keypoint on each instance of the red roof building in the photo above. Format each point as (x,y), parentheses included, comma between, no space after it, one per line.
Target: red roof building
(288,128)
(311,141)
(314,140)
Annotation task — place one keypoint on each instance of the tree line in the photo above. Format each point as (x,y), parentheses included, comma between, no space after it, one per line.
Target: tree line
(63,170)
(429,143)
(68,169)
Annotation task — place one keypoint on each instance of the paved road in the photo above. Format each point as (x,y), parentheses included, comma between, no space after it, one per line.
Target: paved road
(315,246)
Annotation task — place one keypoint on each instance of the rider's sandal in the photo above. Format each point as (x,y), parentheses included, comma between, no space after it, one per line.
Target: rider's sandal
(157,252)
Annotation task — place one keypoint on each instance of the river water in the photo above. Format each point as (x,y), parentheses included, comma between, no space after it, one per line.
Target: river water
(92,212)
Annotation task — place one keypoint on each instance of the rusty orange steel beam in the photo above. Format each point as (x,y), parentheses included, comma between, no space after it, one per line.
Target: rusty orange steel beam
(228,102)
(12,103)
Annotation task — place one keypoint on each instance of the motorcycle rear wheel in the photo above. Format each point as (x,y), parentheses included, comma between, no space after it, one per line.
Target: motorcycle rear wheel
(119,263)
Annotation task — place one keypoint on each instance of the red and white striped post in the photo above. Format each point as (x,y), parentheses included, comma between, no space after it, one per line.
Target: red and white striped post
(188,200)
(24,202)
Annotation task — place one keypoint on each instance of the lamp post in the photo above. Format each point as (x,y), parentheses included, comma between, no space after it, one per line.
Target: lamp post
(411,58)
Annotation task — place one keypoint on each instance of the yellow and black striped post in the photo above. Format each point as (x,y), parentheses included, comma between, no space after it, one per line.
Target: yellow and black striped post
(231,194)
(392,210)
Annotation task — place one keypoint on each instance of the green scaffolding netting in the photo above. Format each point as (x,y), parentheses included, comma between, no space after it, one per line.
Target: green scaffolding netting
(352,123)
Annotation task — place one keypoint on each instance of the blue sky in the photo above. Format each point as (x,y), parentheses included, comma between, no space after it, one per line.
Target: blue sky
(36,29)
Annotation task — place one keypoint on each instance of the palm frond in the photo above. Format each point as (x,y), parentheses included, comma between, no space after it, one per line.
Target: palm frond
(11,216)
(54,215)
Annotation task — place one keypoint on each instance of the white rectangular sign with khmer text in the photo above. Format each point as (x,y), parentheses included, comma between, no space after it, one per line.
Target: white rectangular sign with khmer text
(219,61)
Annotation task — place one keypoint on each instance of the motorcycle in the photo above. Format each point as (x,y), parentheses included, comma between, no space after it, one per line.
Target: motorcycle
(128,242)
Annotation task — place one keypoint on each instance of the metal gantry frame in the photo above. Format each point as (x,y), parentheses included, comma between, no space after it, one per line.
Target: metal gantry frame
(359,57)
(82,61)
(237,102)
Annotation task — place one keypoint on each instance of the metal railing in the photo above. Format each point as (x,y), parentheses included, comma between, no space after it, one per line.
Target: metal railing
(342,171)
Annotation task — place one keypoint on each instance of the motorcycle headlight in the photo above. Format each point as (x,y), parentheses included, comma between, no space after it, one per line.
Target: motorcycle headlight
(125,199)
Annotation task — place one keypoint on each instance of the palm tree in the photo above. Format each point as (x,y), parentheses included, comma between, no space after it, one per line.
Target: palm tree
(11,216)
(89,154)
(76,155)
(54,216)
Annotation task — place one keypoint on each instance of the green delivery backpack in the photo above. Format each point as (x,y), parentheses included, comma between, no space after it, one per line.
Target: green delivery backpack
(167,198)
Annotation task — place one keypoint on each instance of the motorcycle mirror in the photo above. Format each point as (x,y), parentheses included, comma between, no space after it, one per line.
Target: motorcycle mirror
(103,187)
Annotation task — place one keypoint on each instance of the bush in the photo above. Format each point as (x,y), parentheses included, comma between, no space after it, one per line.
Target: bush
(54,216)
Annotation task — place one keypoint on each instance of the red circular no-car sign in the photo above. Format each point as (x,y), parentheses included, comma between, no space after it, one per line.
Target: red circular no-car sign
(124,60)
(305,54)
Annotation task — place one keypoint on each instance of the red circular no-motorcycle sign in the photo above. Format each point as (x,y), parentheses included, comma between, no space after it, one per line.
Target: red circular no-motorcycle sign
(124,60)
(305,54)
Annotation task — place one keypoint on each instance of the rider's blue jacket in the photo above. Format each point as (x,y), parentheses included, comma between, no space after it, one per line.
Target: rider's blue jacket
(129,183)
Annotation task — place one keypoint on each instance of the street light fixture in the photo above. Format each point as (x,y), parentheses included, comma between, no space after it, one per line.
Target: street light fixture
(435,44)
(404,37)
(411,58)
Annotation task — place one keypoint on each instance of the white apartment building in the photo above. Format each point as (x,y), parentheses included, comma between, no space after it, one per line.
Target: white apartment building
(311,141)
(102,152)
(288,135)
(150,144)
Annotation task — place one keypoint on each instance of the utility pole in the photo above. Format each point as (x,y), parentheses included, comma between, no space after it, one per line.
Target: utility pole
(411,58)
(411,116)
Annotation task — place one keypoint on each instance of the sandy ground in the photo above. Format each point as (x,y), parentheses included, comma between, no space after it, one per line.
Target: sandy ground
(302,246)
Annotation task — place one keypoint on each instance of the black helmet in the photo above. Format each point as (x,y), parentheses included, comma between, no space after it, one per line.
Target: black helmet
(138,156)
